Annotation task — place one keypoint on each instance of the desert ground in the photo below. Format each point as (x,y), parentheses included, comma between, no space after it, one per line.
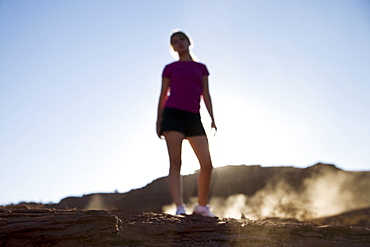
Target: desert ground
(256,206)
(55,227)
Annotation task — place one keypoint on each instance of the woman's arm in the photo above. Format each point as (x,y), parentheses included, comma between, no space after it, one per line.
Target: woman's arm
(162,100)
(208,101)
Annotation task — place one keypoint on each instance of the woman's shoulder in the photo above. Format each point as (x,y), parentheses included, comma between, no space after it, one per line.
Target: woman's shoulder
(201,65)
(171,65)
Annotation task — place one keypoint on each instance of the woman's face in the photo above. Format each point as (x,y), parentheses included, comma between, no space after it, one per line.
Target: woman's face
(180,43)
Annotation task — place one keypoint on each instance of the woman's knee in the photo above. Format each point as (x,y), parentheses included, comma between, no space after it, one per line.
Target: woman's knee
(206,166)
(175,166)
(175,160)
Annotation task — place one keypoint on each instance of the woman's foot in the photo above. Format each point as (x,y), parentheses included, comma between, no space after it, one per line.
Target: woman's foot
(180,210)
(203,211)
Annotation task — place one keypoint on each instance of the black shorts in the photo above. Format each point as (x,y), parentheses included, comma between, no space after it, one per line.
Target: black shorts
(185,122)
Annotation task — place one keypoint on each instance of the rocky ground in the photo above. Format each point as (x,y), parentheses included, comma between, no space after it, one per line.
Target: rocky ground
(55,227)
(72,222)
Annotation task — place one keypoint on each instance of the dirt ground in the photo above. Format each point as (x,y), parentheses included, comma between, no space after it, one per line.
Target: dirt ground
(53,227)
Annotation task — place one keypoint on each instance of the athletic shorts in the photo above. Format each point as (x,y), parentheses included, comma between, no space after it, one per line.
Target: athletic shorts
(188,123)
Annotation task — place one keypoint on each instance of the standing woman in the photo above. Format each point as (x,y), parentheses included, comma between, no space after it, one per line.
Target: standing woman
(184,82)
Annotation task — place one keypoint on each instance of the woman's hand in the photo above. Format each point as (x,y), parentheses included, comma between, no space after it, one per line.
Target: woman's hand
(213,126)
(159,131)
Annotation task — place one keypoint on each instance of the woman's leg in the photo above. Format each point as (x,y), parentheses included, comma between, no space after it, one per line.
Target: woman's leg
(174,144)
(201,150)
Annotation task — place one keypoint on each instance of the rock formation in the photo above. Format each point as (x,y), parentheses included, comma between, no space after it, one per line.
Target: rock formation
(260,192)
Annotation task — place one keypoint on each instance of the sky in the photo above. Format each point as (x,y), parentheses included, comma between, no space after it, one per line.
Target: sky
(80,82)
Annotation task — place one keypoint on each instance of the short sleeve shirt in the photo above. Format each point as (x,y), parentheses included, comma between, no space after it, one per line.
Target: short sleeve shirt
(186,84)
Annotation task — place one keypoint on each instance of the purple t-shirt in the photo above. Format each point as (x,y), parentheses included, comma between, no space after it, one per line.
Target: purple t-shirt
(186,84)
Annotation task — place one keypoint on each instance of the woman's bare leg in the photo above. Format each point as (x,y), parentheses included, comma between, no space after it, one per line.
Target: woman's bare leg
(174,144)
(201,150)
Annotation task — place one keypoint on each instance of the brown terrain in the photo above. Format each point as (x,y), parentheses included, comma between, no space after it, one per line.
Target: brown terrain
(256,206)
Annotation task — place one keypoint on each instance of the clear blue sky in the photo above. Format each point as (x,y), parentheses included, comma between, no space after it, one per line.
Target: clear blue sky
(80,80)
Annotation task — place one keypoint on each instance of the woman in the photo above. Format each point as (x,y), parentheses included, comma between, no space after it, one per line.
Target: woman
(184,82)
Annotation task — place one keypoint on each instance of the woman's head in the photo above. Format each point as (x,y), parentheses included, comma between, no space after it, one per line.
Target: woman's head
(181,44)
(179,34)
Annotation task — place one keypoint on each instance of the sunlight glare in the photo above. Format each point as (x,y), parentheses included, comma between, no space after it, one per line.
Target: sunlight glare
(250,137)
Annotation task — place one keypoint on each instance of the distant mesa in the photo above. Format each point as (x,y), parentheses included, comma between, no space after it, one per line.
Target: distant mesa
(253,191)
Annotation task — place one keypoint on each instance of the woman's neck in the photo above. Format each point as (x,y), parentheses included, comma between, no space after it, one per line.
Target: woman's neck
(185,57)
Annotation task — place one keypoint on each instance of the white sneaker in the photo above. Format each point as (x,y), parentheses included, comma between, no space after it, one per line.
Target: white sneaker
(203,211)
(180,210)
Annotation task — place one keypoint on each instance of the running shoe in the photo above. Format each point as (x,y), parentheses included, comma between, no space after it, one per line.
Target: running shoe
(203,211)
(180,210)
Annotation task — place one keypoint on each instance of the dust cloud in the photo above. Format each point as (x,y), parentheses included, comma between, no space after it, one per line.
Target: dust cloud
(96,203)
(325,194)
